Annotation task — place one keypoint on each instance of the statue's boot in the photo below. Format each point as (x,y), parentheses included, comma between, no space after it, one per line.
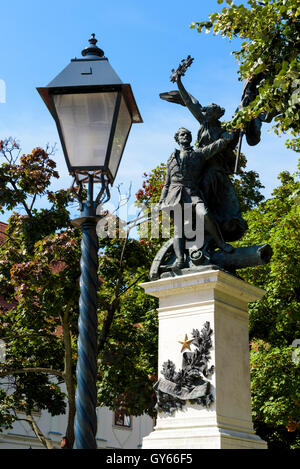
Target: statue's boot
(179,264)
(178,244)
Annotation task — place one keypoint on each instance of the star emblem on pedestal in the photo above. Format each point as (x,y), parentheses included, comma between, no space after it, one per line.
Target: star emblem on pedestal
(185,343)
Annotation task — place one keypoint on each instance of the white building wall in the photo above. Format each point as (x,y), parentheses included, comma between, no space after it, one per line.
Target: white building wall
(108,435)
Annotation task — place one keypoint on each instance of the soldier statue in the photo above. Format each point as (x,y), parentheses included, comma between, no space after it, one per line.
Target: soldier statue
(201,177)
(184,171)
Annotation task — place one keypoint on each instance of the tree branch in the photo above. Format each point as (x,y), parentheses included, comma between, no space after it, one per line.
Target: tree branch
(107,323)
(45,441)
(49,371)
(23,201)
(132,284)
(68,376)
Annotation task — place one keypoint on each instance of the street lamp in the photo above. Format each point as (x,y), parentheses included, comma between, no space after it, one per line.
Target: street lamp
(93,111)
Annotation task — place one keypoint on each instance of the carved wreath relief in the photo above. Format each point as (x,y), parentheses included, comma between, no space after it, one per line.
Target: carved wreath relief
(188,384)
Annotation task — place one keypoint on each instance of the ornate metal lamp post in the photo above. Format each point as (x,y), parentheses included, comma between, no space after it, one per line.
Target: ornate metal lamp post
(93,111)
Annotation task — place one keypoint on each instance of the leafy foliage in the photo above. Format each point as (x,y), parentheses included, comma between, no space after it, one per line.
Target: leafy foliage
(275,319)
(270,48)
(127,364)
(276,396)
(276,222)
(39,279)
(39,270)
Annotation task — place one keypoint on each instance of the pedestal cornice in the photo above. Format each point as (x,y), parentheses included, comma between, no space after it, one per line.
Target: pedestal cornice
(218,281)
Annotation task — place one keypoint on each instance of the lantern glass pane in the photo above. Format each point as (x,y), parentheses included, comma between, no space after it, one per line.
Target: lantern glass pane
(122,129)
(85,121)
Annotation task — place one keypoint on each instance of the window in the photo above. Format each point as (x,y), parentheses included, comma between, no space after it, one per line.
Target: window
(122,419)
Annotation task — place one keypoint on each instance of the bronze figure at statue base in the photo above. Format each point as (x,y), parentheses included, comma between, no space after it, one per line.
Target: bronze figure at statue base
(164,264)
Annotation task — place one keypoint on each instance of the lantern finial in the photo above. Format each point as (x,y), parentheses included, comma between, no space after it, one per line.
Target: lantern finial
(92,49)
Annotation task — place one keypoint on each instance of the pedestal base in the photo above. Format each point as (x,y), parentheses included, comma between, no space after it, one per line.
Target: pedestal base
(188,302)
(202,438)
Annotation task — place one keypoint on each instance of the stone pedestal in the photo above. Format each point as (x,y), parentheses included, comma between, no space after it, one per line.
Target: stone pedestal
(187,302)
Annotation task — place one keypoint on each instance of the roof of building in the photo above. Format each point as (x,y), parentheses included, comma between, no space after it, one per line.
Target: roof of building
(5,305)
(3,227)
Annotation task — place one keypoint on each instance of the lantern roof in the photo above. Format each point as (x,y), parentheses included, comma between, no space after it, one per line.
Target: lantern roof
(90,73)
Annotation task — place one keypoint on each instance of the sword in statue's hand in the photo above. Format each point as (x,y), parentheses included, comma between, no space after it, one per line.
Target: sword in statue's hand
(244,102)
(237,160)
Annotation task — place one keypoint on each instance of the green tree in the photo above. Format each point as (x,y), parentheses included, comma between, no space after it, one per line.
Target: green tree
(270,46)
(39,278)
(128,323)
(275,394)
(275,319)
(39,270)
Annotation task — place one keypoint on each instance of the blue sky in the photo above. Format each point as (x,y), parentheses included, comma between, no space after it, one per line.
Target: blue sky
(143,42)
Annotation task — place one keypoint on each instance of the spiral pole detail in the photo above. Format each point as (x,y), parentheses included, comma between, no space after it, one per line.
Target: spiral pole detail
(86,392)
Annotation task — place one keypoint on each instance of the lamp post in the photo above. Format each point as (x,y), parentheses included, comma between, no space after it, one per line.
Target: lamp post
(93,111)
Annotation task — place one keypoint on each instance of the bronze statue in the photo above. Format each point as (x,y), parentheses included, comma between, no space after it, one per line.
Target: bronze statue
(184,171)
(200,177)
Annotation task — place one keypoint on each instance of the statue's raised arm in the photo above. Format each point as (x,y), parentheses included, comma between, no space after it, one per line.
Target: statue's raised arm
(184,98)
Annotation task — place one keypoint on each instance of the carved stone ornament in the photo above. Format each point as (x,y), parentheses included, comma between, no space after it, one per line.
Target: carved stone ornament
(188,384)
